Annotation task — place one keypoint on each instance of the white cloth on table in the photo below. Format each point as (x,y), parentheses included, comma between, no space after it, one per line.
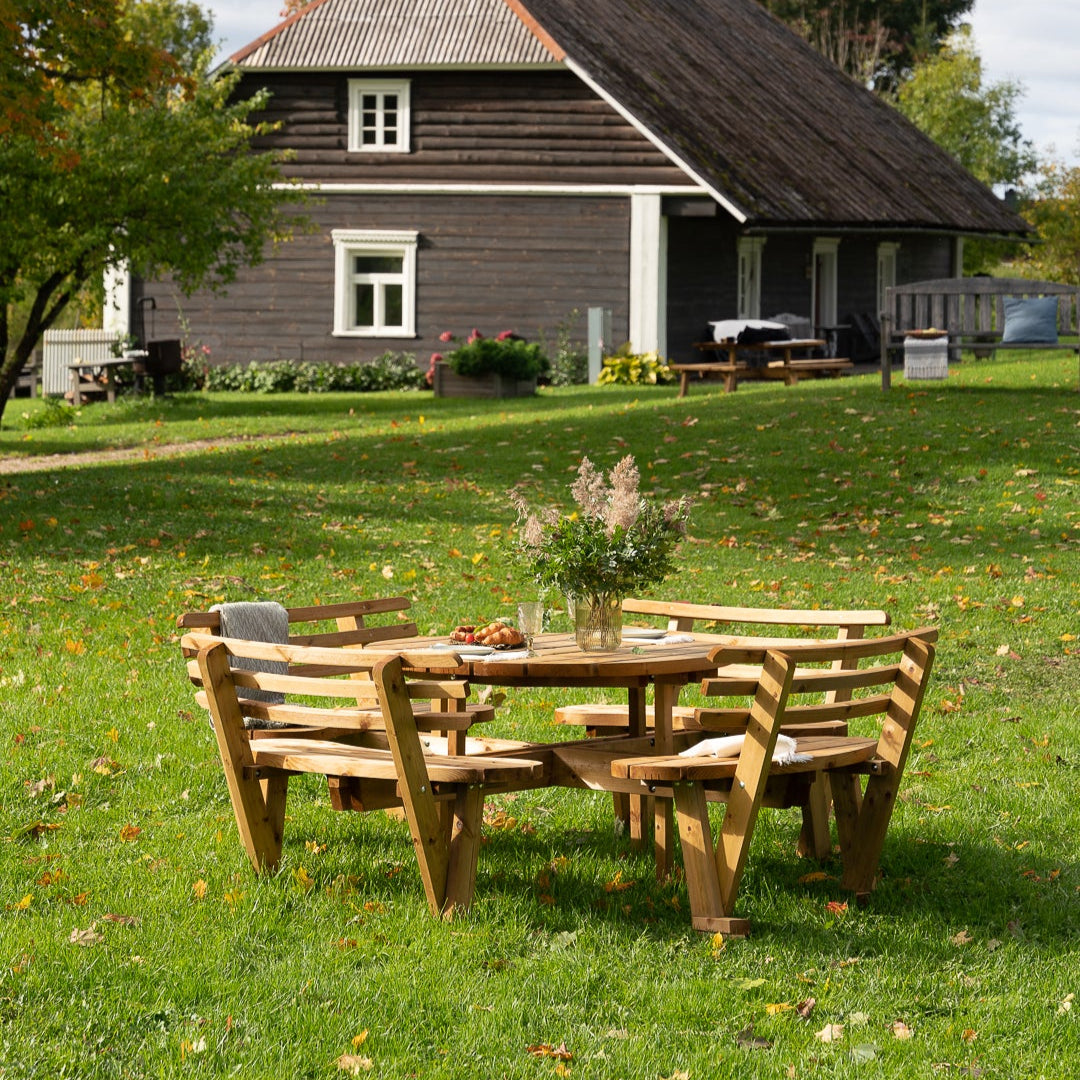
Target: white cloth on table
(730,746)
(498,657)
(262,620)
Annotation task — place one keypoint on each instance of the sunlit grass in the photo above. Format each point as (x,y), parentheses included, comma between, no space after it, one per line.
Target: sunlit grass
(135,941)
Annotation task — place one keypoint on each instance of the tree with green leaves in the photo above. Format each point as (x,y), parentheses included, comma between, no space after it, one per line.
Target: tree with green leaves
(1053,207)
(116,147)
(877,42)
(975,121)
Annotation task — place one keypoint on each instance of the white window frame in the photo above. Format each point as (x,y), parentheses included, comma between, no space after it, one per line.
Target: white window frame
(351,242)
(380,88)
(886,270)
(823,295)
(748,298)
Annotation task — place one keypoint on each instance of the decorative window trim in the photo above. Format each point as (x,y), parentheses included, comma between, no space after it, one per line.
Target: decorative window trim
(351,242)
(748,299)
(380,88)
(825,282)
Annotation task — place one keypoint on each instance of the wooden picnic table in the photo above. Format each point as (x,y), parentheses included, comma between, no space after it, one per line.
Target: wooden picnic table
(558,662)
(781,362)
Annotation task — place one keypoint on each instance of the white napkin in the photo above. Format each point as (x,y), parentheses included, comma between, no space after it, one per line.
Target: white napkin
(668,639)
(497,657)
(730,746)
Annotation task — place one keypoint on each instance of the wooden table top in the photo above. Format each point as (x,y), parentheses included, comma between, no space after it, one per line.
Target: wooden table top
(559,662)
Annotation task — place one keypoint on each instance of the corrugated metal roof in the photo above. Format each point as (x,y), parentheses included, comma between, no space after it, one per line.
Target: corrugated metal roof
(330,34)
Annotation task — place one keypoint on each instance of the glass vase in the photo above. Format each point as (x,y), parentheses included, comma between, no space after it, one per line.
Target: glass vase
(598,623)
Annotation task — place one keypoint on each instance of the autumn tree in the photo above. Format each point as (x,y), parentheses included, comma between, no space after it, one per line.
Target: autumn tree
(116,147)
(1053,207)
(875,41)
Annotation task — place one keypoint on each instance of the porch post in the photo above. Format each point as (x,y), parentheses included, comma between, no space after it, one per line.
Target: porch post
(648,274)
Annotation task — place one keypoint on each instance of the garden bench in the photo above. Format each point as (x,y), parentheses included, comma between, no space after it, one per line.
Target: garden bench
(681,616)
(352,627)
(384,762)
(787,695)
(972,311)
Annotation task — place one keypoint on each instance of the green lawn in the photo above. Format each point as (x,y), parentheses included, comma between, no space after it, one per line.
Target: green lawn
(135,942)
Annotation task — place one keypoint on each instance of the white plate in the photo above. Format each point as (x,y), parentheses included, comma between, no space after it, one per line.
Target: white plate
(643,633)
(466,652)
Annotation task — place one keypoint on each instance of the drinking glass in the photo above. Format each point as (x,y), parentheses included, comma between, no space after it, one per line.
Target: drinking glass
(530,621)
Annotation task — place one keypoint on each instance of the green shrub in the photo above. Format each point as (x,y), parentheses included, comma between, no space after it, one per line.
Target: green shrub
(390,371)
(569,364)
(626,368)
(506,355)
(55,413)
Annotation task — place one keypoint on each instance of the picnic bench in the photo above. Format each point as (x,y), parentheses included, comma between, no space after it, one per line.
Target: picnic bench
(354,624)
(325,698)
(385,761)
(780,363)
(600,717)
(742,771)
(975,313)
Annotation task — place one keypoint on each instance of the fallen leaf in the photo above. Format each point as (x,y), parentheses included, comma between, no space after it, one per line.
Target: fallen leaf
(805,1007)
(864,1052)
(778,1007)
(900,1030)
(830,1033)
(545,1050)
(123,920)
(747,1040)
(678,1074)
(86,937)
(129,833)
(963,938)
(354,1064)
(969,1035)
(1066,1005)
(198,889)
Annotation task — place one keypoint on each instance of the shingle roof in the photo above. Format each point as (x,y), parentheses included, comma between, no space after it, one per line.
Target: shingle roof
(765,121)
(353,34)
(779,134)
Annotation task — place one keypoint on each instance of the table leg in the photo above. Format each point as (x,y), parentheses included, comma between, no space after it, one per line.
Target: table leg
(664,697)
(635,811)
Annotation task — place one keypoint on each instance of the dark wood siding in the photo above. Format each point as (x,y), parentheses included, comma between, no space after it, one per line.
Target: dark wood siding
(467,127)
(701,285)
(493,263)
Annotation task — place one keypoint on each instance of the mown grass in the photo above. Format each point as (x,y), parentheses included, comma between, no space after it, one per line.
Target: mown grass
(134,941)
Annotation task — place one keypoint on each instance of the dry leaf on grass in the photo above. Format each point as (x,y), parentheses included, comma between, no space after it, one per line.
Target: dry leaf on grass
(355,1064)
(830,1033)
(86,937)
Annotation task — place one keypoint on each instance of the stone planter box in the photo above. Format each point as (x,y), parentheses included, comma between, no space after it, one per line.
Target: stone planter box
(447,383)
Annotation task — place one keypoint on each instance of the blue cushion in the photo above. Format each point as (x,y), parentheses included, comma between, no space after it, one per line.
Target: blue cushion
(1030,320)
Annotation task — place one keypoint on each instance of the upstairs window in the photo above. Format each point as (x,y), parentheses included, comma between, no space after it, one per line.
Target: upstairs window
(379,116)
(374,283)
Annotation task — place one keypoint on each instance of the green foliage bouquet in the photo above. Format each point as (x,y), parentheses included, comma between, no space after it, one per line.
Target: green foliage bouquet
(616,543)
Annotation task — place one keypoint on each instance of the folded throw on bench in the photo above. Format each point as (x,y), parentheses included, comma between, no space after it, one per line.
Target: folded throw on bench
(730,746)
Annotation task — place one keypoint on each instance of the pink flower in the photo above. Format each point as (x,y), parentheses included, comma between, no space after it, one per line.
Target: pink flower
(475,336)
(447,336)
(503,336)
(436,357)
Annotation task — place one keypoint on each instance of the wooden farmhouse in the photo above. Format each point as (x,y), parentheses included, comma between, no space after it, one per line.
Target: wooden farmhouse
(501,164)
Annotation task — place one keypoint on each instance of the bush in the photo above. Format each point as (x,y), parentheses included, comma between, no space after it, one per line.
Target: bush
(631,369)
(569,364)
(511,357)
(391,371)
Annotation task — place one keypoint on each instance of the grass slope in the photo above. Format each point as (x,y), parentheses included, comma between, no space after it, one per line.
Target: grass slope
(134,941)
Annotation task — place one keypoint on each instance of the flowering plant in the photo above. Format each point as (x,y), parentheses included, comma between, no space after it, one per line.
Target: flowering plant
(614,544)
(505,354)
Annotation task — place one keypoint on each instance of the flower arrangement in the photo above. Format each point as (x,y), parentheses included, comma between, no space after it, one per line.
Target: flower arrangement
(614,544)
(505,354)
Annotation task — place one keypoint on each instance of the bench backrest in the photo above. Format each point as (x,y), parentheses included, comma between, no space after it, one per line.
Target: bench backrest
(970,307)
(683,616)
(351,619)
